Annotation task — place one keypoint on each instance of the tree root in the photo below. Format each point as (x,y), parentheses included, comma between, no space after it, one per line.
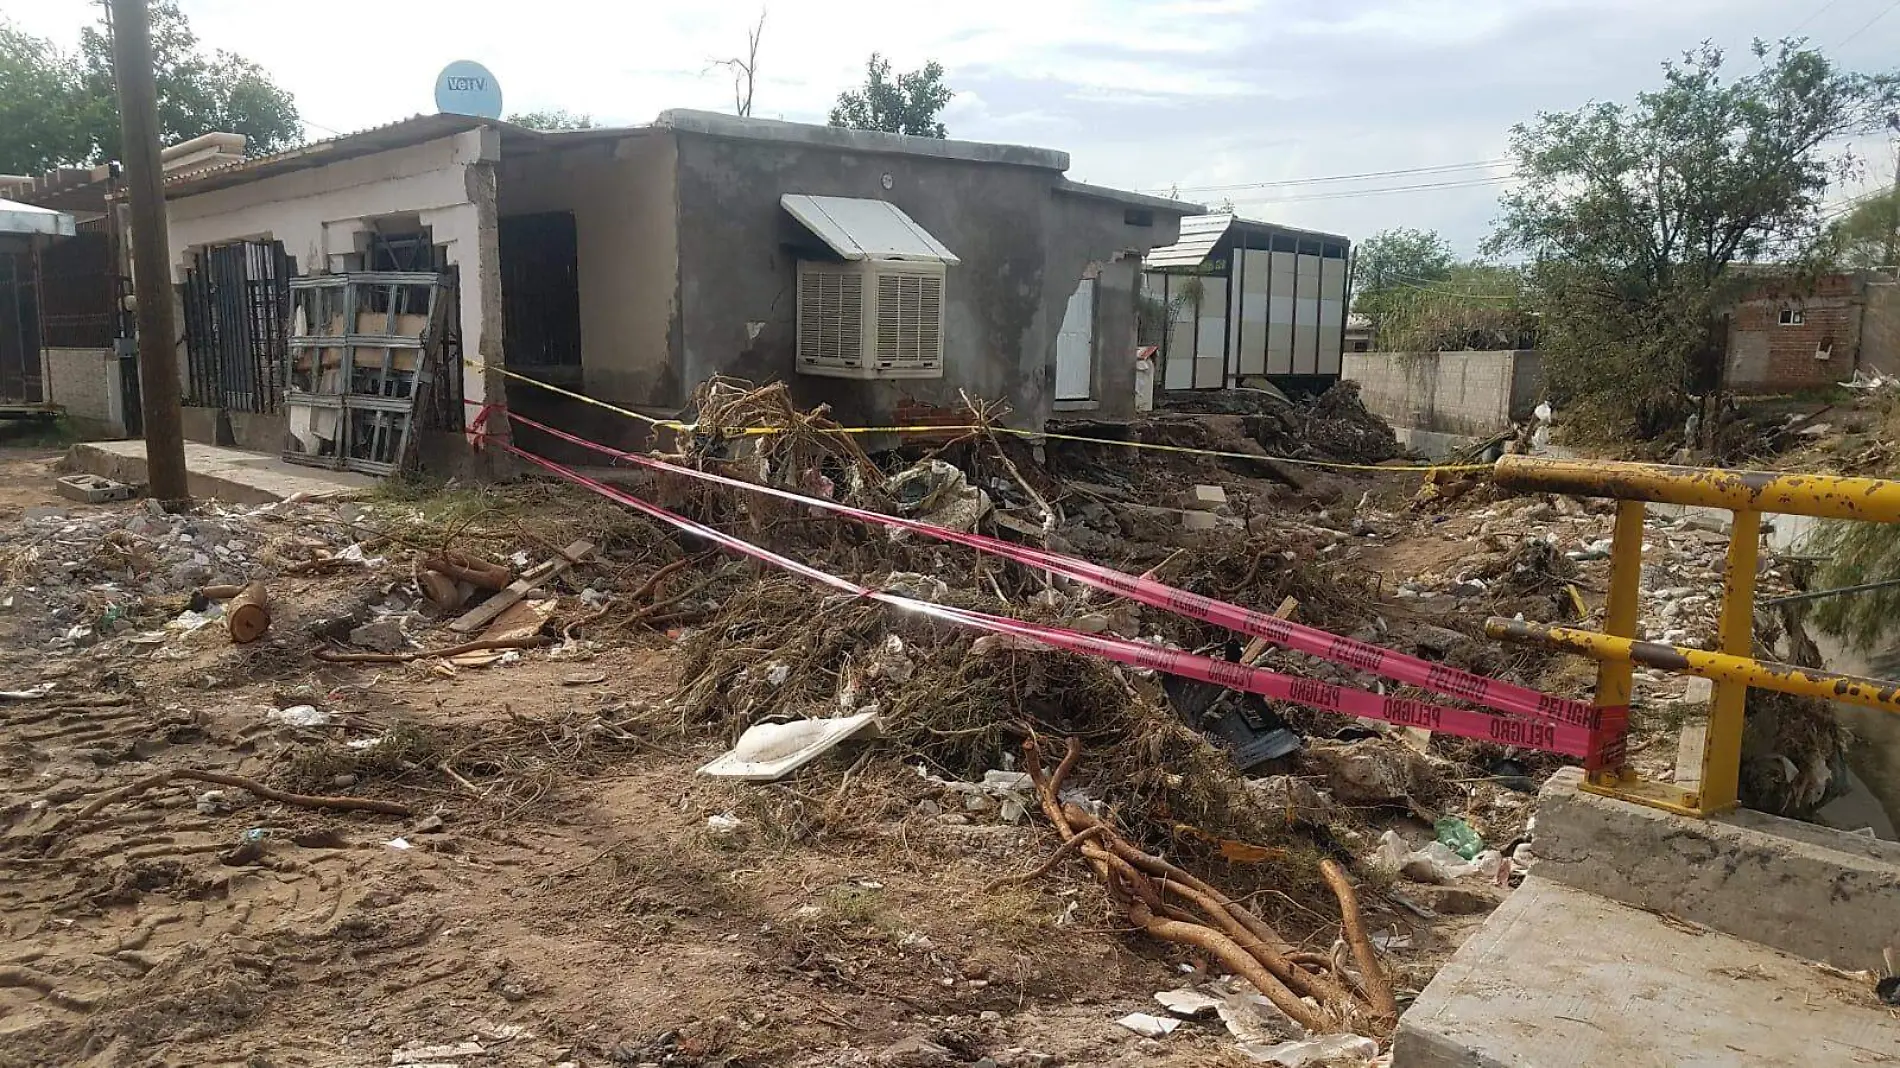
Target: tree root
(1378,988)
(1141,884)
(1049,865)
(357,804)
(1236,960)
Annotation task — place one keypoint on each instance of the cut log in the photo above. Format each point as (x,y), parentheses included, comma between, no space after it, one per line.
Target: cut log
(442,591)
(479,573)
(247,616)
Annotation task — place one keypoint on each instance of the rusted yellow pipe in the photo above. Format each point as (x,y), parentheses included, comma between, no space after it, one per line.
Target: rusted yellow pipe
(1825,496)
(1720,667)
(1722,753)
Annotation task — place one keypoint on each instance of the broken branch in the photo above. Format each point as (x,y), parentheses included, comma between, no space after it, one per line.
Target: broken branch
(357,804)
(335,656)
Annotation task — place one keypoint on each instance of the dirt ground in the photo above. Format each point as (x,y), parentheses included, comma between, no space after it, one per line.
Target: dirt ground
(556,894)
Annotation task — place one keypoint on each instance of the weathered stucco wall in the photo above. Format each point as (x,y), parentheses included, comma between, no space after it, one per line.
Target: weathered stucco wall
(317,213)
(1467,393)
(1023,248)
(622,195)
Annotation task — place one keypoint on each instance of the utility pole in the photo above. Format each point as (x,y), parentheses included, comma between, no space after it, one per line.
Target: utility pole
(151,275)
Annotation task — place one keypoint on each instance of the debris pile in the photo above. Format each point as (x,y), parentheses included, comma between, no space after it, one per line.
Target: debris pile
(85,575)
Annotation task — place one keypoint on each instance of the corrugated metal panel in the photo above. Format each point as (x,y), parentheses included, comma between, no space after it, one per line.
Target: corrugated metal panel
(1199,235)
(859,229)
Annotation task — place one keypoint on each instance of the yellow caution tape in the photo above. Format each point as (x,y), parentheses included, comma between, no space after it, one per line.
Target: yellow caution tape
(760,431)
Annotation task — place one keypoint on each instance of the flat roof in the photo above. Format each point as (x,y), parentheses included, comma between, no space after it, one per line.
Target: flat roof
(1133,200)
(420,128)
(1201,233)
(718,124)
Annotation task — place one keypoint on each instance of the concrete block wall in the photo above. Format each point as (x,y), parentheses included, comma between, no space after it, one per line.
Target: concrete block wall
(86,383)
(1466,393)
(1880,329)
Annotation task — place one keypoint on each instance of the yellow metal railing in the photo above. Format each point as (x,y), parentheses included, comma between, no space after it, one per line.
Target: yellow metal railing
(1733,667)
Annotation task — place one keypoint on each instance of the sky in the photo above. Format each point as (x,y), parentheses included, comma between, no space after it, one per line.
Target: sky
(1154,95)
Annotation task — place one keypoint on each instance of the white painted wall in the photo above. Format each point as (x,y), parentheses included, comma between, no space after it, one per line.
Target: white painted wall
(318,212)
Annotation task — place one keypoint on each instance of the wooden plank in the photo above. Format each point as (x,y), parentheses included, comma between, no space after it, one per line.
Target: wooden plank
(483,614)
(1258,646)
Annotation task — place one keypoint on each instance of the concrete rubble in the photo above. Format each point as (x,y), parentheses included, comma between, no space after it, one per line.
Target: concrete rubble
(862,769)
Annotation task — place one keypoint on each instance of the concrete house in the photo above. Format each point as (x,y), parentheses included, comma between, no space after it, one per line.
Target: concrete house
(881,274)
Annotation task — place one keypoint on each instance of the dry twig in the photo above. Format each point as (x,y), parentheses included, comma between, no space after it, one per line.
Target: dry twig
(358,804)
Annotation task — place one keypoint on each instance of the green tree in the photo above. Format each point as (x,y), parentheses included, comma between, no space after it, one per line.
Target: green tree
(1631,215)
(197,93)
(39,96)
(1389,267)
(552,119)
(60,109)
(908,104)
(1868,235)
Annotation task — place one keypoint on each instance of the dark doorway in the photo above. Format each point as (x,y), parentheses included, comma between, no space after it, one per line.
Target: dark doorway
(541,296)
(19,330)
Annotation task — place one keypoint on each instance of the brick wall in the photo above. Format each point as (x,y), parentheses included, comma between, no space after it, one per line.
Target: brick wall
(1764,353)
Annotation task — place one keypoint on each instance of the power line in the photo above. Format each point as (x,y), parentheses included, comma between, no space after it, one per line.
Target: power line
(1884,12)
(1812,15)
(1468,183)
(1434,169)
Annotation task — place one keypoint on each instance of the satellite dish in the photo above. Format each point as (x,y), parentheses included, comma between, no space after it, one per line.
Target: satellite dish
(465,87)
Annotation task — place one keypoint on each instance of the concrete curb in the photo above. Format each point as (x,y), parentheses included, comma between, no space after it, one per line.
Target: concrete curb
(216,473)
(1807,890)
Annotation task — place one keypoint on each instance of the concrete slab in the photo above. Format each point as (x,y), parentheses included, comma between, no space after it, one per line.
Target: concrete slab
(1818,893)
(215,472)
(1558,977)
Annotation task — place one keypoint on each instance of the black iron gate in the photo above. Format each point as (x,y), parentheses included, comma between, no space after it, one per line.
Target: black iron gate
(237,323)
(19,330)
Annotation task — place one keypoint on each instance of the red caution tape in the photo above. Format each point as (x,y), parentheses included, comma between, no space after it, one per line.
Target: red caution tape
(1350,652)
(1555,737)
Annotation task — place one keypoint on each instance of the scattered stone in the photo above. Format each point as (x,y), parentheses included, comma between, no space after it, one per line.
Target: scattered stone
(382,636)
(914,1052)
(1207,498)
